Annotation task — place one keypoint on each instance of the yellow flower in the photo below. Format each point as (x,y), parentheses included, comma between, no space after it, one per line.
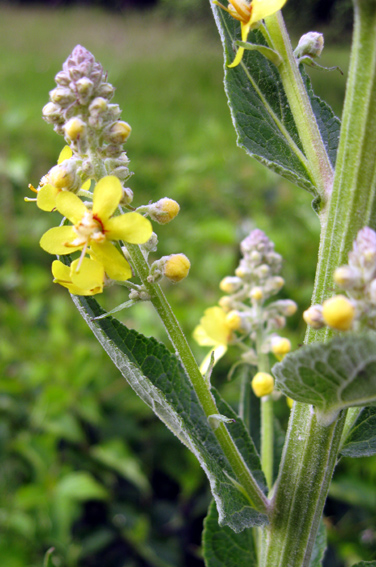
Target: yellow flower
(213,331)
(97,228)
(249,14)
(88,280)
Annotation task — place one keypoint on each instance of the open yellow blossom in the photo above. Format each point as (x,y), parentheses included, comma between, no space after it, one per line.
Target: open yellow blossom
(249,14)
(213,331)
(95,229)
(88,280)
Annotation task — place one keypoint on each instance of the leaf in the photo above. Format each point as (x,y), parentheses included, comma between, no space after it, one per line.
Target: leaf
(80,486)
(361,441)
(260,111)
(222,547)
(158,378)
(48,558)
(331,376)
(366,564)
(319,547)
(116,455)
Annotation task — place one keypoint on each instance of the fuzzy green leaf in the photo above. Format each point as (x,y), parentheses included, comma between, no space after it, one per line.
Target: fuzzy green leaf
(331,376)
(260,111)
(223,547)
(158,378)
(361,441)
(319,547)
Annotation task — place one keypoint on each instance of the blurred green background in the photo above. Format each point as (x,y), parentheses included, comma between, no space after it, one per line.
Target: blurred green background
(85,466)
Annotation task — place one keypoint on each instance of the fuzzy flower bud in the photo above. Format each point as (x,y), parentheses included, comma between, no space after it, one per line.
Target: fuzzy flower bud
(256,293)
(225,302)
(176,267)
(233,320)
(63,176)
(310,44)
(74,128)
(313,317)
(262,384)
(230,284)
(98,106)
(164,210)
(280,347)
(62,96)
(347,277)
(119,132)
(338,313)
(52,113)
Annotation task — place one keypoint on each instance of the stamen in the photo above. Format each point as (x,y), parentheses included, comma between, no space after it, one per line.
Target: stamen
(30,186)
(81,258)
(242,8)
(28,200)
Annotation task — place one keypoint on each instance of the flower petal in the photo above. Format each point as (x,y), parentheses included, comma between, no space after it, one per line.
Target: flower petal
(215,326)
(46,197)
(263,8)
(62,277)
(65,153)
(114,263)
(86,185)
(70,206)
(130,227)
(90,274)
(239,54)
(107,196)
(56,239)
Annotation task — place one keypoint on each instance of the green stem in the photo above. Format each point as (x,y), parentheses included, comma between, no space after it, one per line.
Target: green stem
(314,149)
(267,414)
(183,351)
(311,450)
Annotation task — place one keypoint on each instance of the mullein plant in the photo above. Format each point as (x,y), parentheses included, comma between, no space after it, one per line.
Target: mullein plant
(265,512)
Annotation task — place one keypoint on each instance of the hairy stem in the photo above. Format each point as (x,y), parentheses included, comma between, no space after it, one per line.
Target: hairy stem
(305,120)
(183,351)
(311,450)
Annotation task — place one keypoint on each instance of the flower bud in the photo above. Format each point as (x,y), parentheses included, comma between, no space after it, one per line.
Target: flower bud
(274,284)
(234,320)
(164,210)
(62,96)
(311,44)
(262,384)
(119,132)
(106,90)
(280,347)
(127,197)
(74,128)
(313,317)
(52,113)
(240,272)
(62,78)
(62,176)
(285,307)
(176,267)
(338,313)
(84,86)
(230,284)
(347,277)
(257,293)
(98,106)
(225,302)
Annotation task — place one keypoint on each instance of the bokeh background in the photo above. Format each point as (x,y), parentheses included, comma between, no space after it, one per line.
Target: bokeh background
(85,466)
